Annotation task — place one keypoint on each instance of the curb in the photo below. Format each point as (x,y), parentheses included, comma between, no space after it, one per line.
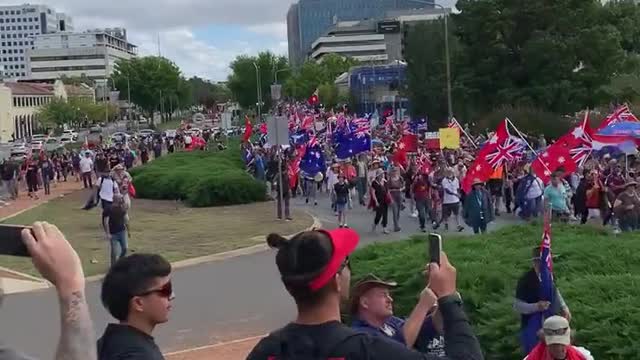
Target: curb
(41,283)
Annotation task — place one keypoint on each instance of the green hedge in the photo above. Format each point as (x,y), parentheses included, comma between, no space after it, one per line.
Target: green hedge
(199,179)
(597,273)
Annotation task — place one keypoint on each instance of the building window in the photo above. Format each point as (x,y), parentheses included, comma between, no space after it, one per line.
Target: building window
(37,27)
(22,66)
(15,102)
(19,27)
(21,58)
(30,27)
(23,74)
(14,36)
(21,51)
(19,19)
(13,20)
(13,27)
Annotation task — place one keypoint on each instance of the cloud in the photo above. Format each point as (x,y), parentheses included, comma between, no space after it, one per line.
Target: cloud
(178,23)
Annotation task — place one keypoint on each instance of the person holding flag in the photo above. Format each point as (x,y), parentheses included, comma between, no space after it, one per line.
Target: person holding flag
(537,297)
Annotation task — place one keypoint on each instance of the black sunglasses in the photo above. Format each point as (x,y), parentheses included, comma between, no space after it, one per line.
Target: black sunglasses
(165,291)
(346,263)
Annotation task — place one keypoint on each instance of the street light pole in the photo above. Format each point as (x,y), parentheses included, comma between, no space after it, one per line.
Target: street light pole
(445,12)
(276,74)
(129,97)
(259,91)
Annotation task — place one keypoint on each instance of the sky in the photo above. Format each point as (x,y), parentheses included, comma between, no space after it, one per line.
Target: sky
(201,36)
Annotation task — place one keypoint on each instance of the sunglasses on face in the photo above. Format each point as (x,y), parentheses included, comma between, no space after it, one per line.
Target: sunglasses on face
(556,332)
(165,291)
(345,264)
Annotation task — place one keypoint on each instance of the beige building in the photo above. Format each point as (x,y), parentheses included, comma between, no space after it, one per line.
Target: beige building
(19,104)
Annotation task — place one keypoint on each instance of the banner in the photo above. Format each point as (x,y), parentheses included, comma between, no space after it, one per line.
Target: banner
(432,140)
(449,138)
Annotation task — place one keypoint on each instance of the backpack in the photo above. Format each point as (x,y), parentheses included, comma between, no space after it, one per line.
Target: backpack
(295,346)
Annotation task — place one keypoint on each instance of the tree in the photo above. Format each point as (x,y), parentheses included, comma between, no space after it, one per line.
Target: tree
(426,72)
(56,113)
(208,94)
(243,81)
(313,74)
(555,55)
(328,94)
(152,81)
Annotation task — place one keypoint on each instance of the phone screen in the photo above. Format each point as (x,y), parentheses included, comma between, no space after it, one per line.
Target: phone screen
(11,240)
(435,247)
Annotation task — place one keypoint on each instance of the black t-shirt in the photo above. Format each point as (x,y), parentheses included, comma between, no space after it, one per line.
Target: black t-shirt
(331,340)
(102,164)
(342,193)
(117,219)
(125,342)
(528,290)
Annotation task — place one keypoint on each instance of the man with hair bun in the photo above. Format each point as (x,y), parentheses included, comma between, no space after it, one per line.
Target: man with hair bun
(314,267)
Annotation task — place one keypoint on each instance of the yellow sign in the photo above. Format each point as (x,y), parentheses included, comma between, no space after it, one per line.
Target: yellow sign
(449,138)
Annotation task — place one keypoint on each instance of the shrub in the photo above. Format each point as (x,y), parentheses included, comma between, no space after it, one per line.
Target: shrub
(199,179)
(598,275)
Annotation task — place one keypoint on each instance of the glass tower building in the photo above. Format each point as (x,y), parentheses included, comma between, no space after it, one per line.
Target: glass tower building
(309,19)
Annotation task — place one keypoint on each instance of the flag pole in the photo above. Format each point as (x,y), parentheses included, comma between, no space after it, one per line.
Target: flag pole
(465,133)
(526,142)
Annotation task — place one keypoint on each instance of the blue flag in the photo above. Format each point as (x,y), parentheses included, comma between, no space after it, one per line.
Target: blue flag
(353,139)
(529,336)
(313,160)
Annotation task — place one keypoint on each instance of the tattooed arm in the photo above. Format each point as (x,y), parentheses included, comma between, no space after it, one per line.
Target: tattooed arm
(56,260)
(77,341)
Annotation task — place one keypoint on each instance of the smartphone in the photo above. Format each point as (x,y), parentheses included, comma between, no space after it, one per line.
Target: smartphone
(435,247)
(11,240)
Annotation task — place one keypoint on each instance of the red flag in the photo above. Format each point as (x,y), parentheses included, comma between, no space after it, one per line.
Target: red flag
(569,152)
(294,166)
(495,153)
(248,129)
(263,128)
(307,123)
(620,115)
(408,143)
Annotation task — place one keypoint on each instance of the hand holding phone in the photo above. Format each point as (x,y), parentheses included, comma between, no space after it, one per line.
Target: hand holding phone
(11,240)
(435,247)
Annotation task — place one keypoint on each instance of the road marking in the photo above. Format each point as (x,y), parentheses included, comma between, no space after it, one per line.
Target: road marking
(215,345)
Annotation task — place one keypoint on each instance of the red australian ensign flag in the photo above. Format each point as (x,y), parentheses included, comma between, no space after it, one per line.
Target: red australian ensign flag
(569,152)
(500,149)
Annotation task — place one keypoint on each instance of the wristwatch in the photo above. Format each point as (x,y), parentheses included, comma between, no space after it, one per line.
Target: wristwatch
(454,298)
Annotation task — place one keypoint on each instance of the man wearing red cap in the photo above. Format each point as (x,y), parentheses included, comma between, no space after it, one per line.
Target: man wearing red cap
(314,267)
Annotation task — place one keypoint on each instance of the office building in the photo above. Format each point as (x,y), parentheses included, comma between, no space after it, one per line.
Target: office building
(371,41)
(91,54)
(19,25)
(309,19)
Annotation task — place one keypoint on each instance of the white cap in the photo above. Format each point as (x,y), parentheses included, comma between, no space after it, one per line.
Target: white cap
(556,331)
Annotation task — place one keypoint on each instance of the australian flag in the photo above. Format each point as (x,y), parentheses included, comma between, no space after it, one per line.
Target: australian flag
(418,125)
(353,138)
(313,160)
(299,138)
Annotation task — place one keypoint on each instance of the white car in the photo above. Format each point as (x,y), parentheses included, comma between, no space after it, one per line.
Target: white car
(52,144)
(120,137)
(36,145)
(146,132)
(38,137)
(65,139)
(18,155)
(71,134)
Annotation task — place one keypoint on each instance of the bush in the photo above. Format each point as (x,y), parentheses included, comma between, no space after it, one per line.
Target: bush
(598,275)
(199,179)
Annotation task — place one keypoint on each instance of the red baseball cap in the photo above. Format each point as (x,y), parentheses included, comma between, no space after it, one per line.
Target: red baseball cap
(344,242)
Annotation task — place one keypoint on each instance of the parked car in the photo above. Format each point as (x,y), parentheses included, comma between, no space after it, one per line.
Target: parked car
(145,133)
(52,144)
(18,154)
(71,133)
(38,137)
(66,139)
(36,145)
(120,137)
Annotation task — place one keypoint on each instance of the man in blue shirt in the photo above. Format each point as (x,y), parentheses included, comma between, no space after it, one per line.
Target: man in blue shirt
(372,311)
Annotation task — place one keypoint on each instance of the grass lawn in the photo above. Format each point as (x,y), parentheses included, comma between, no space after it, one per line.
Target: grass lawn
(597,273)
(164,227)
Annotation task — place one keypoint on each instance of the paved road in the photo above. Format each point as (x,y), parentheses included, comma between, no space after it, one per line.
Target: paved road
(215,302)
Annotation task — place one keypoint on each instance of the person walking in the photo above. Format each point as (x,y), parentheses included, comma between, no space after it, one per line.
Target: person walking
(10,175)
(451,200)
(421,191)
(31,177)
(380,201)
(396,187)
(361,180)
(47,172)
(115,227)
(477,208)
(123,179)
(86,167)
(341,190)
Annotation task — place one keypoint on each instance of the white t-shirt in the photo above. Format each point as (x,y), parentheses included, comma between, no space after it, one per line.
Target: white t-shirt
(108,187)
(536,189)
(450,186)
(86,164)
